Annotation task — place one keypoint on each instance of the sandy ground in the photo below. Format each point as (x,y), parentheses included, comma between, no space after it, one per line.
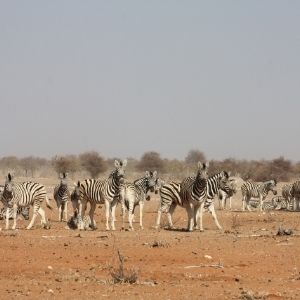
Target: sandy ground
(244,261)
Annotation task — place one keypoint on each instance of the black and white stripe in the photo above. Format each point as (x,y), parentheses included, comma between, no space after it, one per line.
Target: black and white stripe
(296,194)
(256,190)
(170,197)
(226,193)
(286,192)
(61,195)
(22,195)
(23,211)
(134,194)
(102,191)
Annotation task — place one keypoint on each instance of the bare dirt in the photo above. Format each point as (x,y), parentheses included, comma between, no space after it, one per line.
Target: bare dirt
(244,261)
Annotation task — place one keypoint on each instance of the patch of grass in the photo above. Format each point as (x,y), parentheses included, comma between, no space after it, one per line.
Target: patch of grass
(123,275)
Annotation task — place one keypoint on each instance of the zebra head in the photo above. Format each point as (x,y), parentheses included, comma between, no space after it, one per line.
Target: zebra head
(63,180)
(224,179)
(75,197)
(271,185)
(202,171)
(8,187)
(119,173)
(158,185)
(151,178)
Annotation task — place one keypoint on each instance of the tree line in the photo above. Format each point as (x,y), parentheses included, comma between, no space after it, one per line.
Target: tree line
(94,164)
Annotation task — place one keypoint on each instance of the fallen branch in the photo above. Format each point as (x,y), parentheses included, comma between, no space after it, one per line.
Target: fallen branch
(217,266)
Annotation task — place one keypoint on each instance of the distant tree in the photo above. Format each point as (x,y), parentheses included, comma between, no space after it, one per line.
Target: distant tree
(93,163)
(31,164)
(151,161)
(67,163)
(194,156)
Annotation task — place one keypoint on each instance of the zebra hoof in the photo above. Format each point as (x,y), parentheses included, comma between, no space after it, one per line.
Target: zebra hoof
(201,230)
(28,227)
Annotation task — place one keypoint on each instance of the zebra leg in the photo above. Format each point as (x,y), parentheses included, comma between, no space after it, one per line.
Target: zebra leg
(260,203)
(201,215)
(248,204)
(81,212)
(113,206)
(59,212)
(230,206)
(170,213)
(42,213)
(91,214)
(214,215)
(196,216)
(66,211)
(7,218)
(107,213)
(34,215)
(141,214)
(15,207)
(243,203)
(190,212)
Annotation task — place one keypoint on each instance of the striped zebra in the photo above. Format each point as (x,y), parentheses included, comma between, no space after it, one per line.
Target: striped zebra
(22,195)
(61,195)
(23,211)
(281,203)
(256,190)
(102,191)
(296,194)
(193,194)
(170,197)
(227,192)
(134,194)
(286,192)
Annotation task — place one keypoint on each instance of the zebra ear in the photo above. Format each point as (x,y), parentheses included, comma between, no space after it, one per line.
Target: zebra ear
(205,165)
(9,177)
(124,163)
(117,163)
(200,165)
(147,174)
(229,174)
(154,175)
(78,183)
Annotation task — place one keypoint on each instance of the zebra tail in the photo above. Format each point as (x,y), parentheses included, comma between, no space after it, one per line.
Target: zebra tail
(48,203)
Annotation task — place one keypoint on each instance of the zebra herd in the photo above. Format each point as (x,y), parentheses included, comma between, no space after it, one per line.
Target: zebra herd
(194,193)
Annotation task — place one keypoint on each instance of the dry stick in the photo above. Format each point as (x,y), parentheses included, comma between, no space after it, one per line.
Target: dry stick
(219,266)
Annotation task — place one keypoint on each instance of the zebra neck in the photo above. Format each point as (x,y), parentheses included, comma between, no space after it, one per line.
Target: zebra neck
(213,183)
(142,183)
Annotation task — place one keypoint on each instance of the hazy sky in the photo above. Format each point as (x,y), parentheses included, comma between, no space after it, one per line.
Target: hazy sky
(125,77)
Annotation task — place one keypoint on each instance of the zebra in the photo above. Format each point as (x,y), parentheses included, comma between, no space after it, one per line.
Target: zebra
(226,193)
(21,195)
(295,192)
(281,203)
(73,221)
(61,195)
(133,194)
(170,197)
(286,192)
(102,191)
(189,193)
(24,211)
(256,190)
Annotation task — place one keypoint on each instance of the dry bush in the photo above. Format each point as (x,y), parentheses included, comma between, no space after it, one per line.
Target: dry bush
(151,161)
(235,222)
(159,244)
(194,156)
(64,164)
(121,274)
(93,163)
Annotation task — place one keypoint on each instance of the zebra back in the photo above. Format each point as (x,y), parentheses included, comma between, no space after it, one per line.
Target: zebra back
(255,189)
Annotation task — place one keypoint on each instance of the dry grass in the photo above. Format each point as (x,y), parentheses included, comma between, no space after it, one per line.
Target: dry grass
(121,274)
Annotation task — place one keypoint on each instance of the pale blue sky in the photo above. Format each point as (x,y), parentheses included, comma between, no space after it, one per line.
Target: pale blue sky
(125,77)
